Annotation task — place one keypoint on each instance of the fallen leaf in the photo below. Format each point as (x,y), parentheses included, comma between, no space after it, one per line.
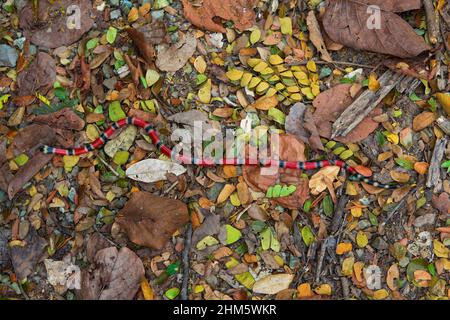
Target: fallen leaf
(63,273)
(273,284)
(323,178)
(54,29)
(204,16)
(316,36)
(150,220)
(151,170)
(392,275)
(265,103)
(175,57)
(39,76)
(144,46)
(346,22)
(343,248)
(423,120)
(329,106)
(116,275)
(123,141)
(300,122)
(24,258)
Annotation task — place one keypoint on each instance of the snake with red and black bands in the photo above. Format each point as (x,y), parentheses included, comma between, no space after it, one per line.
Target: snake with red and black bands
(153,134)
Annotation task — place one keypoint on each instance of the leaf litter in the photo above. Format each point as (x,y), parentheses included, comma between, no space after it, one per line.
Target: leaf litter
(271,67)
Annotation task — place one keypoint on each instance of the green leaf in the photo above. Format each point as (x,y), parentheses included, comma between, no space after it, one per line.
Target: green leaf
(233,234)
(307,235)
(325,72)
(111,35)
(373,219)
(413,97)
(265,238)
(61,93)
(201,78)
(3,99)
(348,80)
(327,205)
(172,293)
(276,191)
(421,202)
(404,163)
(91,44)
(277,115)
(21,159)
(380,138)
(115,111)
(433,104)
(173,268)
(307,205)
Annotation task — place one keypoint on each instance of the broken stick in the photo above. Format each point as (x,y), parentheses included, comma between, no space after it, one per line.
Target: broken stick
(364,104)
(432,21)
(434,172)
(444,124)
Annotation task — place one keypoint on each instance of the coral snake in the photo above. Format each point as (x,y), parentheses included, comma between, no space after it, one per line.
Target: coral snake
(153,134)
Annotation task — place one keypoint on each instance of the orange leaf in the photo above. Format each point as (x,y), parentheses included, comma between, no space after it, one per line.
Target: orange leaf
(421,167)
(304,290)
(147,290)
(343,248)
(366,172)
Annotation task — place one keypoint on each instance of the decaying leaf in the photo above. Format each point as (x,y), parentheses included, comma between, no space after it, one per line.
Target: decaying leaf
(204,16)
(316,36)
(323,178)
(346,22)
(63,273)
(329,106)
(175,57)
(39,76)
(151,220)
(273,284)
(55,28)
(151,170)
(116,275)
(24,258)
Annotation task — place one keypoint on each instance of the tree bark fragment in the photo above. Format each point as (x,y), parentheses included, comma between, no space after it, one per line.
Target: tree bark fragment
(434,179)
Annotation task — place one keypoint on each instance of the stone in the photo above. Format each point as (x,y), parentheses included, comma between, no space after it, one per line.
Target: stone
(8,56)
(380,244)
(425,220)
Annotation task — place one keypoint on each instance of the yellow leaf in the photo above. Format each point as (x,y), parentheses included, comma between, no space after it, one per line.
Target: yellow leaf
(275,59)
(147,290)
(255,36)
(133,15)
(374,84)
(204,94)
(235,74)
(323,289)
(92,132)
(225,193)
(200,64)
(380,294)
(361,239)
(347,266)
(70,162)
(440,249)
(286,25)
(393,138)
(444,101)
(311,65)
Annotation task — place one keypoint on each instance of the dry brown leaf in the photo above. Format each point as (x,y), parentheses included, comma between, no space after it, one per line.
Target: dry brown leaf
(272,284)
(329,106)
(116,275)
(398,176)
(175,57)
(265,103)
(423,120)
(392,275)
(300,122)
(51,30)
(24,258)
(316,36)
(323,178)
(39,76)
(345,21)
(145,48)
(205,16)
(227,190)
(150,220)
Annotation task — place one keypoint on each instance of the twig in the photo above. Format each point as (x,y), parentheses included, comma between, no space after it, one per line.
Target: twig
(22,291)
(108,166)
(444,124)
(343,63)
(105,237)
(432,21)
(185,257)
(434,172)
(364,104)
